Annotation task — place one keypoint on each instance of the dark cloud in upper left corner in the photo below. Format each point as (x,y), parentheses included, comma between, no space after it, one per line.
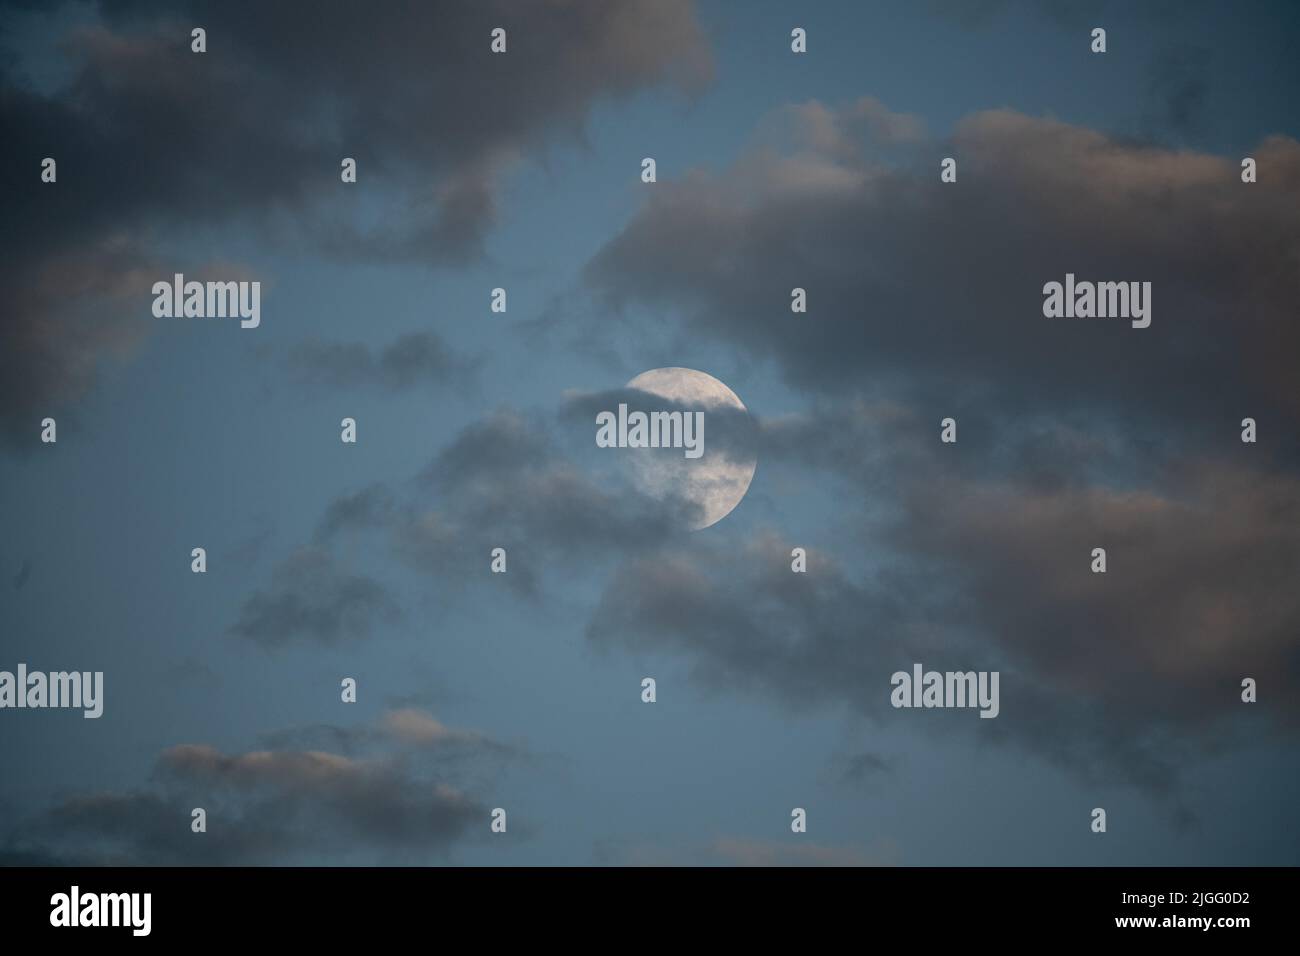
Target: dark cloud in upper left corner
(153,141)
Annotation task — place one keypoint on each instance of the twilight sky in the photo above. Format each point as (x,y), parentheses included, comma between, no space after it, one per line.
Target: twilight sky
(523,691)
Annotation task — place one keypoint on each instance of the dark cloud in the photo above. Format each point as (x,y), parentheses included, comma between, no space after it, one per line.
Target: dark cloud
(1124,675)
(932,293)
(861,767)
(1199,549)
(502,444)
(371,507)
(418,358)
(153,140)
(66,313)
(535,483)
(313,597)
(522,483)
(1194,598)
(925,302)
(395,803)
(745,622)
(528,483)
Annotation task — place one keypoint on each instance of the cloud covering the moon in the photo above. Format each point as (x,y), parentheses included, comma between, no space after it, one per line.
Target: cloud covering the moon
(716,481)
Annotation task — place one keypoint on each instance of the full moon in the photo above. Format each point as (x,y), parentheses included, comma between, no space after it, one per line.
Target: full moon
(715,482)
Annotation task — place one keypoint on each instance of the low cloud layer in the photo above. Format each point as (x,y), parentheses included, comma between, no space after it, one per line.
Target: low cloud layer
(396,798)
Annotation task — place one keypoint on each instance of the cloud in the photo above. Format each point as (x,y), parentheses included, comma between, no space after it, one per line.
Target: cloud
(371,507)
(926,302)
(410,729)
(397,803)
(418,358)
(860,767)
(537,482)
(312,597)
(1125,675)
(926,291)
(1199,549)
(253,131)
(746,623)
(1194,598)
(66,314)
(529,483)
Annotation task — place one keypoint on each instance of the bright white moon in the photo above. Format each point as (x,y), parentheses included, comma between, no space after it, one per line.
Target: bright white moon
(716,481)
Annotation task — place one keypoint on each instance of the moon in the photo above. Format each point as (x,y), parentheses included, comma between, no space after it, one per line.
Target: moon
(716,481)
